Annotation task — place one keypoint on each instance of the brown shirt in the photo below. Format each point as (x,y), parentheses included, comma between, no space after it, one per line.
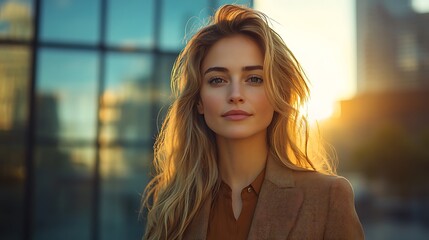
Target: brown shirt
(222,223)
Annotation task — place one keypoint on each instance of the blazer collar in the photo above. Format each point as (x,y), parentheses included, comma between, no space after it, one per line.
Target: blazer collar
(278,204)
(279,174)
(276,211)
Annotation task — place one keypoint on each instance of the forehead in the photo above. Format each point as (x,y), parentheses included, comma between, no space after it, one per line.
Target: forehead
(234,51)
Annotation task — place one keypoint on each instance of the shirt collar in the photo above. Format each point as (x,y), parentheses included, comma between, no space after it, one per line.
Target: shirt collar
(257,183)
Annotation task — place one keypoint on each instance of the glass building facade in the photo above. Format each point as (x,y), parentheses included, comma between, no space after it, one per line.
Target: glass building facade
(82,88)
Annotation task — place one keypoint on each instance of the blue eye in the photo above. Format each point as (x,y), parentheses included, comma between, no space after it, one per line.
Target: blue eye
(216,81)
(255,80)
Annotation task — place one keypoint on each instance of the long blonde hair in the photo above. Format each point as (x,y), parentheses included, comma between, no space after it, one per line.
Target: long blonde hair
(185,150)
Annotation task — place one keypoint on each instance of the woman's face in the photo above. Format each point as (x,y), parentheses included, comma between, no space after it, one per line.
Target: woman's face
(233,99)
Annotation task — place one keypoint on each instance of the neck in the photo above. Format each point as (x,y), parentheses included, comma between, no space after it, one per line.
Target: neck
(241,160)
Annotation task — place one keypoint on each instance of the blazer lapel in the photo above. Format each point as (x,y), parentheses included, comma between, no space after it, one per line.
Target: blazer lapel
(278,204)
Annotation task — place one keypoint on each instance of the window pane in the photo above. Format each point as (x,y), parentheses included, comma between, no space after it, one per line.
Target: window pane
(70,21)
(178,19)
(131,25)
(163,89)
(126,111)
(164,82)
(12,179)
(124,173)
(67,94)
(63,192)
(16,19)
(14,79)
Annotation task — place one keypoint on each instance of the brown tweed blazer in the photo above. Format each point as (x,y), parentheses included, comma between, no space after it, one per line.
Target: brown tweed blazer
(296,205)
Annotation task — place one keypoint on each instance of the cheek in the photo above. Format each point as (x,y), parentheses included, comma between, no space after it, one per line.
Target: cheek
(210,103)
(264,106)
(211,112)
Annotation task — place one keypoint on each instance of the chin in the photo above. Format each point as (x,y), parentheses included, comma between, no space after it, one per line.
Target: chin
(237,134)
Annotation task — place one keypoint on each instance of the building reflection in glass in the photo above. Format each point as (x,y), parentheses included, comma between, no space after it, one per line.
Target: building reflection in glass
(63,192)
(14,82)
(15,67)
(125,113)
(16,19)
(14,75)
(69,77)
(76,21)
(136,29)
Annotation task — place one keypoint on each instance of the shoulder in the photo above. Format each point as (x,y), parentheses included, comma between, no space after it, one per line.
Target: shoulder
(307,180)
(312,178)
(333,187)
(332,198)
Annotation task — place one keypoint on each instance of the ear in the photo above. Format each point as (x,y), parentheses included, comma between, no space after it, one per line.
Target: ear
(200,107)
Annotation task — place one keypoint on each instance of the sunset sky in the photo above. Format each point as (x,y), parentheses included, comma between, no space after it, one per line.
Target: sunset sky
(322,35)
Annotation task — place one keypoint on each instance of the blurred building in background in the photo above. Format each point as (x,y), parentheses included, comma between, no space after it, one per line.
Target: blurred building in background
(392,46)
(382,135)
(81,88)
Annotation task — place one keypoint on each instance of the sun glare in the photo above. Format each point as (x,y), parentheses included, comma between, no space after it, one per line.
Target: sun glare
(318,111)
(420,6)
(324,44)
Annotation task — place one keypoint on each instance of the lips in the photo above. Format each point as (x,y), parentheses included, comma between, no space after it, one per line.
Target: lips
(236,115)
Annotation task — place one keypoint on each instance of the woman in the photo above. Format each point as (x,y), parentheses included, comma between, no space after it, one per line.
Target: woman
(232,156)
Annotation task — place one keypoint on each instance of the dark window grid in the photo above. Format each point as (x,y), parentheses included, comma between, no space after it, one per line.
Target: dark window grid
(96,185)
(103,48)
(99,47)
(145,144)
(34,44)
(15,42)
(29,158)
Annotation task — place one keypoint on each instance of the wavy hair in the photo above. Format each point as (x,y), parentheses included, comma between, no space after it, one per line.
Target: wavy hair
(185,164)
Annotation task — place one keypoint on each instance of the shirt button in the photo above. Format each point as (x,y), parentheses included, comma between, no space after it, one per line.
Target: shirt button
(249,189)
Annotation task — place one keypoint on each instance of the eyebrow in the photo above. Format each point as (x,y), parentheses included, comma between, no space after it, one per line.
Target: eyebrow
(223,69)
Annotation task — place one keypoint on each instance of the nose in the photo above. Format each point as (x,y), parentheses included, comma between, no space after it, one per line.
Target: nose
(236,93)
